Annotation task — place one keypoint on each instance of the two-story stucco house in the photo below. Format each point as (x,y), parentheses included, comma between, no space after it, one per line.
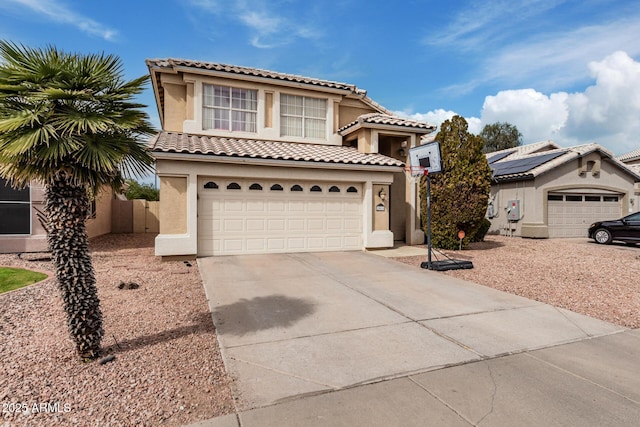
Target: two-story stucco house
(255,161)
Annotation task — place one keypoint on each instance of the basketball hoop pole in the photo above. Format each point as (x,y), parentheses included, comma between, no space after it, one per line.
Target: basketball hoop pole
(426,173)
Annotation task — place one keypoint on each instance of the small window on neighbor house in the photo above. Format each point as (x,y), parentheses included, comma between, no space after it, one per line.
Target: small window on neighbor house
(276,187)
(15,209)
(334,189)
(609,198)
(296,187)
(234,186)
(255,186)
(573,198)
(591,198)
(352,190)
(211,184)
(316,189)
(92,209)
(554,197)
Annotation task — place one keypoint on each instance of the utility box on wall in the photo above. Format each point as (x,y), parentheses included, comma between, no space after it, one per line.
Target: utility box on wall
(513,210)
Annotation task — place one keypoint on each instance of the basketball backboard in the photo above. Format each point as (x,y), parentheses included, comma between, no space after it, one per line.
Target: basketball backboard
(427,156)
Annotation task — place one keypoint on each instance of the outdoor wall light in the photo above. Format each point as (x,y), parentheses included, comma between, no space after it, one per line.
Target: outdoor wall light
(382,194)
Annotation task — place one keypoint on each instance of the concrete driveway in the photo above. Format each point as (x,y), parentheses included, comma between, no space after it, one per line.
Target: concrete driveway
(292,326)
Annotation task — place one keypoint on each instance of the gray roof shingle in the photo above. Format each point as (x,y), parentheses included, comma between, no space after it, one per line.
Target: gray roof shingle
(170,142)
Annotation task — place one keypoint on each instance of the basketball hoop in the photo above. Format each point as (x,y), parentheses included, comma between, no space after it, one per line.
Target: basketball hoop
(416,171)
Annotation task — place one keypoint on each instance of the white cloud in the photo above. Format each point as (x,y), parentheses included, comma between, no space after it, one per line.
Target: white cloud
(437,117)
(58,12)
(537,116)
(607,112)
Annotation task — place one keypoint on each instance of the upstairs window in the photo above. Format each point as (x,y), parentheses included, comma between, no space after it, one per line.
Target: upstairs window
(303,116)
(229,108)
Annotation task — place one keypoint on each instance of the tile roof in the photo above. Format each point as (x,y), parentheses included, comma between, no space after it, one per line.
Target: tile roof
(171,63)
(632,155)
(169,142)
(387,119)
(530,162)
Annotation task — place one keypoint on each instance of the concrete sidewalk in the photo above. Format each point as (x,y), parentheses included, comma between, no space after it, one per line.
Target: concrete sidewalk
(356,339)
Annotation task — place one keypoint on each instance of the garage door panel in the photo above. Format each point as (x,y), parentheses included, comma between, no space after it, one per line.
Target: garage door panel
(232,206)
(255,245)
(296,243)
(277,205)
(255,225)
(315,224)
(571,218)
(255,206)
(296,206)
(316,206)
(276,224)
(236,222)
(315,243)
(296,224)
(335,224)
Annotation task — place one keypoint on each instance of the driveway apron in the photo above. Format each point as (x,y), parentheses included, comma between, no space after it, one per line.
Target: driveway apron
(292,325)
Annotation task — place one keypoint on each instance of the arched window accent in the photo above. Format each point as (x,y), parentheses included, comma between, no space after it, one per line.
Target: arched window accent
(316,189)
(334,189)
(234,186)
(211,184)
(255,186)
(276,187)
(296,187)
(352,190)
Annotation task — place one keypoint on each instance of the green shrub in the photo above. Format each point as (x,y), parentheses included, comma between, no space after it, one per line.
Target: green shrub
(459,194)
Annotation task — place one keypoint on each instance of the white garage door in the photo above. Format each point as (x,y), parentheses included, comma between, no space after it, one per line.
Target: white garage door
(241,216)
(570,215)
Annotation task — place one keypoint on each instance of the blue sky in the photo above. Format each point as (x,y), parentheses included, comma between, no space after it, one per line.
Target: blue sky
(567,71)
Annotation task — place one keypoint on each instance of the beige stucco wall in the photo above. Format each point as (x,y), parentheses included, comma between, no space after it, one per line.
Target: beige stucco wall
(183,96)
(173,204)
(533,194)
(179,203)
(101,224)
(37,240)
(380,207)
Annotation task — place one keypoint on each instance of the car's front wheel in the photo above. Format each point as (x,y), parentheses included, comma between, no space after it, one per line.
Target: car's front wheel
(602,236)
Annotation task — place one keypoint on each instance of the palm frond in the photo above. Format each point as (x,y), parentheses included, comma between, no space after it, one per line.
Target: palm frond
(71,112)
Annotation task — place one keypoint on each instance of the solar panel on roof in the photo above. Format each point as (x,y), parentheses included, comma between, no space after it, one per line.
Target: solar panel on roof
(499,156)
(523,165)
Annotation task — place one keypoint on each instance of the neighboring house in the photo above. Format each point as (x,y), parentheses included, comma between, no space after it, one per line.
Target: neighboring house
(20,229)
(632,159)
(254,161)
(542,190)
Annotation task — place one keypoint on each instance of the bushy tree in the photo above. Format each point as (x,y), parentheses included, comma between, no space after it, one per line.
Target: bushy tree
(69,121)
(141,191)
(499,136)
(459,194)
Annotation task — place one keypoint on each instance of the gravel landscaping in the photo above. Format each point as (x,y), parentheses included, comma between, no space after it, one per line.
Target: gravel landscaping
(167,368)
(577,274)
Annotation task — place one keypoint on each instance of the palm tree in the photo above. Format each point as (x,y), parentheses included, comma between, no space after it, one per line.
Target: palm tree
(69,121)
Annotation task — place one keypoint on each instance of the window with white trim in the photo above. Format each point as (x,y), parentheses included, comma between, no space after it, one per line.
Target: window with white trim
(229,108)
(303,116)
(15,209)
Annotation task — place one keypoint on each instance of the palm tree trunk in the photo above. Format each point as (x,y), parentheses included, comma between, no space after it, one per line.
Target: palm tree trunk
(66,208)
